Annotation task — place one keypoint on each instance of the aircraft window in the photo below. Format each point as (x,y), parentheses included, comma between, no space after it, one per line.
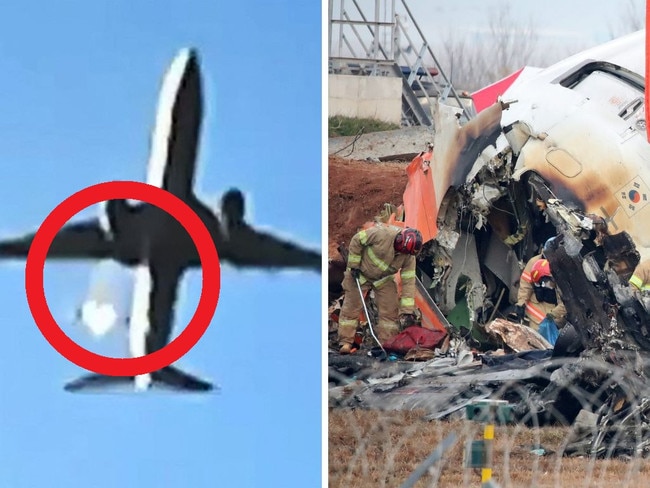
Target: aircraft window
(623,99)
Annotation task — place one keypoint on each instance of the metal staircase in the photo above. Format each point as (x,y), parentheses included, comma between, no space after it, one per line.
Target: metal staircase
(383,47)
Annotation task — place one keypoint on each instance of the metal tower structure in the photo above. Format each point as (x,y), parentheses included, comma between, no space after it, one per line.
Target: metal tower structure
(379,44)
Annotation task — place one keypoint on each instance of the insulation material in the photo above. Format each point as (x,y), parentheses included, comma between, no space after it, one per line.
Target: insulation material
(517,337)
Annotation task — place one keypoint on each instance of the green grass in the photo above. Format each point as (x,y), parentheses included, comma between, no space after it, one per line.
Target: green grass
(351,126)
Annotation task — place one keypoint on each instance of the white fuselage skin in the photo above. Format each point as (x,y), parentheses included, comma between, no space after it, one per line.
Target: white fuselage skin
(592,156)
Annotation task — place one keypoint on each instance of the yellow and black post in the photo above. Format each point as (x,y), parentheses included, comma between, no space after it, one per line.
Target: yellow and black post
(480,453)
(488,437)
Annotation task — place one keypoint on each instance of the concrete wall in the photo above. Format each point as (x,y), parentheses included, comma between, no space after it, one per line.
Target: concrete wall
(377,97)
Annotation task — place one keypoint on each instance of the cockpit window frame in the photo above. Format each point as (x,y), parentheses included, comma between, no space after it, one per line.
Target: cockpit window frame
(577,74)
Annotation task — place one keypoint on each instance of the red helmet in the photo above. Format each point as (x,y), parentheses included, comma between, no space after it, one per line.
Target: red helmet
(540,269)
(409,241)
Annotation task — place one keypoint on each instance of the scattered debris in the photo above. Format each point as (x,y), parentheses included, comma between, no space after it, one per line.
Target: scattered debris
(491,214)
(517,337)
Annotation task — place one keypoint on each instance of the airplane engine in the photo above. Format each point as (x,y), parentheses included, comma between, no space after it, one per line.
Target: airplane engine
(233,207)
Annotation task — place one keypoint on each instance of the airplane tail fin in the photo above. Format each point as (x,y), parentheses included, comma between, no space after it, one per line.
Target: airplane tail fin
(168,378)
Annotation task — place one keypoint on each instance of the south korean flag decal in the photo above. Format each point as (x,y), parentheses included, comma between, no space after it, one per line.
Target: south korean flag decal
(633,196)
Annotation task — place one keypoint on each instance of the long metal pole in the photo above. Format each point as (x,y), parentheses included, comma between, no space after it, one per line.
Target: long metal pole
(433,458)
(368,316)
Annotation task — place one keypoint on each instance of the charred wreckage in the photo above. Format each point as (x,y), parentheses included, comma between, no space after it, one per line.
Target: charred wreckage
(498,191)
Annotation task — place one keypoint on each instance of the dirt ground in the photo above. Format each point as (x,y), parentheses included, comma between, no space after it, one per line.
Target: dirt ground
(358,191)
(369,449)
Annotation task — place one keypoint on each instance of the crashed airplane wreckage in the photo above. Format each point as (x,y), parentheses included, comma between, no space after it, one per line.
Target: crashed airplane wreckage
(566,154)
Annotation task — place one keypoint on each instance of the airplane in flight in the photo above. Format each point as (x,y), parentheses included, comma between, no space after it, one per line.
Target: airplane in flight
(146,238)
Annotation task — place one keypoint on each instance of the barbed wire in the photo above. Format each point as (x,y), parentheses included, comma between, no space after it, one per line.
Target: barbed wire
(579,422)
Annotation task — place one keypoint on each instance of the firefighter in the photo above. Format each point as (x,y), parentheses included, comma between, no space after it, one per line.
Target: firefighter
(375,255)
(526,283)
(544,301)
(640,283)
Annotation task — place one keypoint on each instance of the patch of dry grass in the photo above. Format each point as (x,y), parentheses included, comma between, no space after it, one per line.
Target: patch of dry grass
(371,449)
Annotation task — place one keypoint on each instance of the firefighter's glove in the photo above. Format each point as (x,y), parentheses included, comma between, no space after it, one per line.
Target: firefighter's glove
(520,312)
(407,320)
(356,273)
(558,322)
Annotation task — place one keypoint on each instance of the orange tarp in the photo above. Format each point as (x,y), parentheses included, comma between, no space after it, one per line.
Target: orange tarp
(429,318)
(420,197)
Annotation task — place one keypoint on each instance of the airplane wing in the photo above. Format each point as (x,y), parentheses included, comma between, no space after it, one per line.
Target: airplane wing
(249,247)
(178,122)
(83,240)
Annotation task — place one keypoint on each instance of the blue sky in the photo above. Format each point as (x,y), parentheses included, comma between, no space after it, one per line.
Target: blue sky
(78,90)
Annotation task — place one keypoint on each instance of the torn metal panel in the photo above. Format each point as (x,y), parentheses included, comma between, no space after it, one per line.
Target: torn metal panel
(503,262)
(466,265)
(437,389)
(420,197)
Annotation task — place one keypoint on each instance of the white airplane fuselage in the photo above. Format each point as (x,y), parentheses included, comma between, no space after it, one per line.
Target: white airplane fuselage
(589,138)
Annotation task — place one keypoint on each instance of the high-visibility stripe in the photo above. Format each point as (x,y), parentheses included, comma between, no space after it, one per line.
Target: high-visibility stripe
(535,312)
(488,432)
(348,322)
(525,276)
(407,302)
(407,275)
(486,475)
(363,237)
(354,258)
(382,281)
(638,282)
(376,261)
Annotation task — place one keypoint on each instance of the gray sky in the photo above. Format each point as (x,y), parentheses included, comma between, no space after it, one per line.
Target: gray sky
(461,36)
(567,22)
(563,26)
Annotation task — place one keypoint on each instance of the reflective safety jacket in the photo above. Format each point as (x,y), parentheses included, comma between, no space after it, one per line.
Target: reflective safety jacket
(535,309)
(641,276)
(371,250)
(526,281)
